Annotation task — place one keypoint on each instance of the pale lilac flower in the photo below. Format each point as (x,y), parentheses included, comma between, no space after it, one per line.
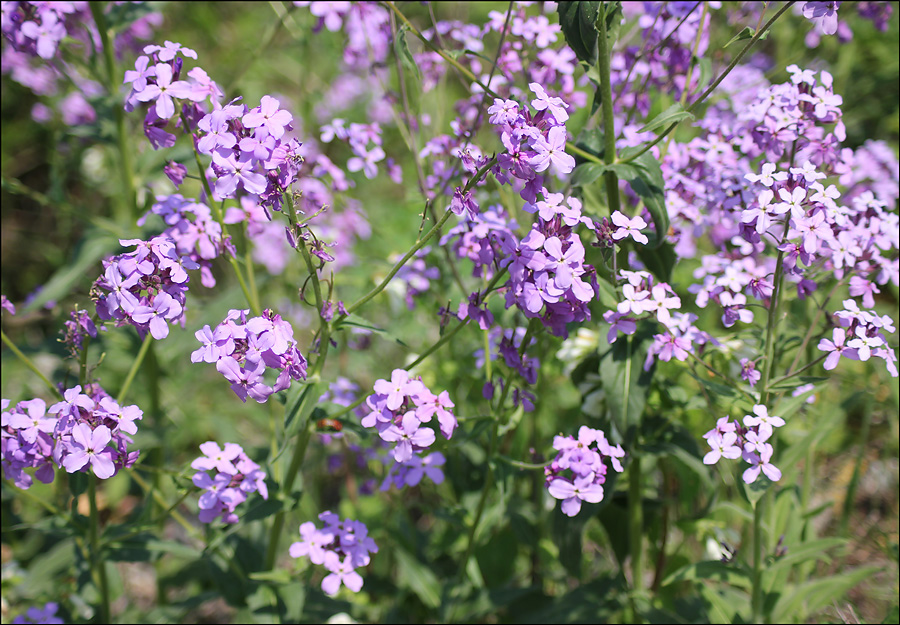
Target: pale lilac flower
(573,493)
(629,227)
(341,572)
(724,445)
(91,446)
(761,462)
(762,421)
(164,90)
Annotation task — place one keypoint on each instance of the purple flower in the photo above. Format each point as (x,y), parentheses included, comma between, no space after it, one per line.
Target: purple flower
(408,436)
(268,119)
(573,493)
(552,152)
(245,382)
(836,348)
(45,615)
(762,421)
(90,446)
(342,571)
(237,171)
(555,106)
(164,90)
(629,228)
(761,462)
(723,446)
(313,544)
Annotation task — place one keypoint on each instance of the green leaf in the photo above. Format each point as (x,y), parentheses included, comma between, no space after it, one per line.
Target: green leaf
(807,598)
(95,247)
(747,33)
(120,16)
(355,321)
(717,388)
(592,142)
(671,115)
(755,491)
(419,578)
(651,187)
(578,23)
(276,576)
(568,534)
(644,175)
(586,173)
(401,49)
(730,573)
(624,380)
(706,71)
(813,550)
(607,294)
(145,547)
(660,261)
(725,603)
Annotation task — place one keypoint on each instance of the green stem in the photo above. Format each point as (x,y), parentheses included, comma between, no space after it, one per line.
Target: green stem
(82,361)
(492,450)
(636,532)
(573,149)
(459,67)
(127,205)
(98,566)
(756,597)
(27,362)
(126,385)
(609,124)
(293,470)
(771,325)
(418,245)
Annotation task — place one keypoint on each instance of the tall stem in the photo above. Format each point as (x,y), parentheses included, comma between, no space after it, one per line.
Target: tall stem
(126,385)
(756,599)
(98,566)
(127,205)
(609,124)
(291,476)
(636,532)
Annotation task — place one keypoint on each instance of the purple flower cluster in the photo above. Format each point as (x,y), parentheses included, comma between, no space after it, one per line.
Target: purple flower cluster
(145,288)
(191,227)
(661,61)
(415,276)
(244,348)
(250,150)
(578,471)
(411,472)
(400,406)
(534,143)
(364,140)
(235,477)
(79,326)
(732,440)
(45,615)
(85,431)
(248,146)
(35,34)
(860,336)
(342,547)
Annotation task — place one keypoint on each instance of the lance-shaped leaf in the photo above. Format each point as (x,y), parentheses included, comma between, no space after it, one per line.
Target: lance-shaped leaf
(578,21)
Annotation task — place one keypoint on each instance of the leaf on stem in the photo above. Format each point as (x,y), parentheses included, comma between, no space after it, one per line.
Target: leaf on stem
(578,21)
